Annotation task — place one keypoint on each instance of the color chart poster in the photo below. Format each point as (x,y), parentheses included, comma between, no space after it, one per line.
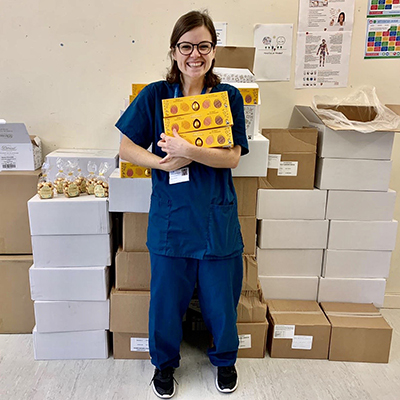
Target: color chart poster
(384,7)
(383,38)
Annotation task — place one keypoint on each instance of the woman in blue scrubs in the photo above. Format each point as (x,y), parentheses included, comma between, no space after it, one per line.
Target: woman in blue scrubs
(194,233)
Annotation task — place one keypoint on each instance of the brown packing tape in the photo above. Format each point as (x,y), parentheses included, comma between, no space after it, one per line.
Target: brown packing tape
(352,314)
(296,312)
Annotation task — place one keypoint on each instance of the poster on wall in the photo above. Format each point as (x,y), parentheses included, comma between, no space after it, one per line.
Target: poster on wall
(273,59)
(383,7)
(221,29)
(323,43)
(382,38)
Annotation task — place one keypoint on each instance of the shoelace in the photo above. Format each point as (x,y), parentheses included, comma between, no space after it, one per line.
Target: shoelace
(164,376)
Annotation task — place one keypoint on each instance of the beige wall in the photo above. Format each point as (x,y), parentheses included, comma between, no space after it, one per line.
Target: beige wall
(66,66)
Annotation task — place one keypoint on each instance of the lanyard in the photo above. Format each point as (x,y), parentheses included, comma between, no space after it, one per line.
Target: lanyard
(177,91)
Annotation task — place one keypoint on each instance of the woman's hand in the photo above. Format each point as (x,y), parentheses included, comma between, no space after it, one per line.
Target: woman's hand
(174,146)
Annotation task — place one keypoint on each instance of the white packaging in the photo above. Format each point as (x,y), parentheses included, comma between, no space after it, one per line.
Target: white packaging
(291,204)
(344,143)
(84,345)
(292,234)
(61,284)
(232,75)
(256,161)
(68,316)
(360,205)
(83,156)
(71,250)
(347,174)
(356,264)
(18,150)
(289,287)
(352,290)
(289,262)
(362,235)
(129,194)
(69,216)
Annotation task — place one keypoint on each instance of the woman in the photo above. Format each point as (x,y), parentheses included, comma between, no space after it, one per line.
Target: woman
(193,234)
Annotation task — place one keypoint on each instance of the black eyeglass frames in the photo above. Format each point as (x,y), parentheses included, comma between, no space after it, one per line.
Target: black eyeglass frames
(186,48)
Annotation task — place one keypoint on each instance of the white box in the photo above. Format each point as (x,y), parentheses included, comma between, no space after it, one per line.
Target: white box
(289,287)
(232,75)
(254,163)
(360,205)
(351,290)
(69,216)
(18,150)
(289,262)
(292,234)
(362,235)
(68,316)
(356,264)
(71,250)
(61,284)
(347,174)
(344,143)
(129,194)
(83,156)
(291,204)
(84,345)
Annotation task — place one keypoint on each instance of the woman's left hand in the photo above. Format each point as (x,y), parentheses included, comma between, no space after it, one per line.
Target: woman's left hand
(174,146)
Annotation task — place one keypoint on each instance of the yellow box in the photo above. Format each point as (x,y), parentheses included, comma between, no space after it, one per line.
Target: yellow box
(136,89)
(190,104)
(219,137)
(250,95)
(129,170)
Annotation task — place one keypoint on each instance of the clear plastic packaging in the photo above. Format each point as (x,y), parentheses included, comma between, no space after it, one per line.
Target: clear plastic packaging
(101,185)
(60,176)
(80,180)
(91,177)
(45,188)
(70,189)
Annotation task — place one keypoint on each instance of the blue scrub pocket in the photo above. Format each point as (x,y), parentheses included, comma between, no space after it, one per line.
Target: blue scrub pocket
(224,237)
(158,223)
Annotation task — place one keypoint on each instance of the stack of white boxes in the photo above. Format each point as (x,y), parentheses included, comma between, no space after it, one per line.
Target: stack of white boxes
(70,277)
(292,235)
(355,169)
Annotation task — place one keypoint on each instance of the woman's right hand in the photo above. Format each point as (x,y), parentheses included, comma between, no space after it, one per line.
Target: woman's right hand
(169,163)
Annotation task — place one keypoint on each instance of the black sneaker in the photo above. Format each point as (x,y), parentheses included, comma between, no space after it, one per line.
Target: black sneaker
(227,379)
(163,383)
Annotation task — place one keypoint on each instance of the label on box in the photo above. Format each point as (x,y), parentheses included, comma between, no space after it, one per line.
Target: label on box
(139,344)
(274,161)
(245,341)
(288,168)
(302,342)
(284,331)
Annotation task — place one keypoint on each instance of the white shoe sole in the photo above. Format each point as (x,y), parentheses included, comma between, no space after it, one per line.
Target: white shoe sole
(162,396)
(226,390)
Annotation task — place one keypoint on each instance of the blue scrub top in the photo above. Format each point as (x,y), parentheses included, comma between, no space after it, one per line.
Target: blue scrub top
(194,219)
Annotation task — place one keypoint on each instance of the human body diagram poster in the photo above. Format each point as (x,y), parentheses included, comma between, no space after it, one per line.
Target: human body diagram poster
(323,43)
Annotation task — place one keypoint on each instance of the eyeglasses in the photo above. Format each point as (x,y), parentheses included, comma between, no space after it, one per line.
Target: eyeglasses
(186,48)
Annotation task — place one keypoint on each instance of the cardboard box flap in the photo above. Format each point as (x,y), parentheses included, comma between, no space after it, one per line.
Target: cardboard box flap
(292,140)
(394,107)
(250,309)
(14,133)
(235,57)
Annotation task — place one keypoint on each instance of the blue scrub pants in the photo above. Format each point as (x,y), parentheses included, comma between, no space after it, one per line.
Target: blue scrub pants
(173,279)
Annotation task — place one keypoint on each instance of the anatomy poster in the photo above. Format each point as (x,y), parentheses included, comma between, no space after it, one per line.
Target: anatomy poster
(273,43)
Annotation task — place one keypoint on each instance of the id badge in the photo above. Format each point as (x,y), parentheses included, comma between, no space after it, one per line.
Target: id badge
(179,176)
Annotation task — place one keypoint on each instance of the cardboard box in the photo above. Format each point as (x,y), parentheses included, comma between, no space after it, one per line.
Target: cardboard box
(289,262)
(69,316)
(251,309)
(132,270)
(71,250)
(291,204)
(129,170)
(255,162)
(18,150)
(235,57)
(16,188)
(129,195)
(298,329)
(252,339)
(130,346)
(250,273)
(246,192)
(83,215)
(291,160)
(352,290)
(338,143)
(292,234)
(136,89)
(62,284)
(289,287)
(248,227)
(134,231)
(83,345)
(347,174)
(233,75)
(83,156)
(356,264)
(360,205)
(16,311)
(359,333)
(129,311)
(362,235)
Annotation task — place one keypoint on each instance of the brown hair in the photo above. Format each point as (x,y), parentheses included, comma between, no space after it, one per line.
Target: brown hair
(186,23)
